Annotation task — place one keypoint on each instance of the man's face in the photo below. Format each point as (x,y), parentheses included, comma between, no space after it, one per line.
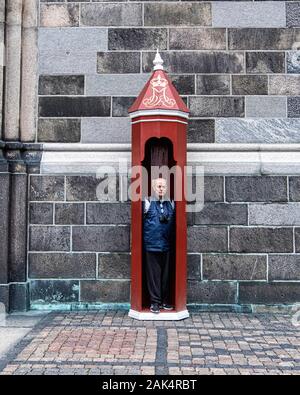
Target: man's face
(160,187)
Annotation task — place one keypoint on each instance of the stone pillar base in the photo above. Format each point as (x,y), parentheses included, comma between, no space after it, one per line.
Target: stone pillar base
(15,297)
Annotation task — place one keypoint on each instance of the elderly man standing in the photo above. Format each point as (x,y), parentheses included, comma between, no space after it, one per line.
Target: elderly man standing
(158,234)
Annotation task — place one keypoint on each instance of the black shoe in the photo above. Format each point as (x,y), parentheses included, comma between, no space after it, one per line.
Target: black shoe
(166,306)
(154,308)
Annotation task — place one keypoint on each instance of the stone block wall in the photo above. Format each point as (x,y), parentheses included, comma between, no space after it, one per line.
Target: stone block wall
(243,246)
(79,248)
(235,64)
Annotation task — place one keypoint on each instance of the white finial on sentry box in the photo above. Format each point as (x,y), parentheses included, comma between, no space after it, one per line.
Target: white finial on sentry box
(158,62)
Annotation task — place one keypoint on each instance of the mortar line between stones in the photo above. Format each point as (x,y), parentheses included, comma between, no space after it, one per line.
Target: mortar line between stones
(161,352)
(170,364)
(179,329)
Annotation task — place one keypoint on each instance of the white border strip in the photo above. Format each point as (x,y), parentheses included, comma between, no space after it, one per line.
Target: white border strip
(143,316)
(158,120)
(171,113)
(214,162)
(191,147)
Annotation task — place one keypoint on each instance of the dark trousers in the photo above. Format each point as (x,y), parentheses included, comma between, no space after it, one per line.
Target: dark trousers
(158,275)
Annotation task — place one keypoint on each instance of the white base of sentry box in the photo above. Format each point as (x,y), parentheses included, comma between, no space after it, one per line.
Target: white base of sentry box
(162,316)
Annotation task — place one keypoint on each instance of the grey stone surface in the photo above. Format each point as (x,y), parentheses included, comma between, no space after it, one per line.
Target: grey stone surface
(17,326)
(59,130)
(207,239)
(257,130)
(265,62)
(274,214)
(194,266)
(118,62)
(18,297)
(4,226)
(59,15)
(137,39)
(61,85)
(284,267)
(87,188)
(108,213)
(197,38)
(203,106)
(190,219)
(211,292)
(177,14)
(184,84)
(67,62)
(213,189)
(269,293)
(115,84)
(294,189)
(49,238)
(2,11)
(115,266)
(293,61)
(79,40)
(69,213)
(293,14)
(121,105)
(293,104)
(261,239)
(256,189)
(267,107)
(222,214)
(297,239)
(54,291)
(4,296)
(285,85)
(46,187)
(197,62)
(105,291)
(105,130)
(41,213)
(67,106)
(101,238)
(201,131)
(248,14)
(1,79)
(234,267)
(249,85)
(213,85)
(263,38)
(18,228)
(111,14)
(9,337)
(59,265)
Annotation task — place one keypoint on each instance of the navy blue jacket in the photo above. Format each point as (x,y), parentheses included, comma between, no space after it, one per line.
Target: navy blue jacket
(158,236)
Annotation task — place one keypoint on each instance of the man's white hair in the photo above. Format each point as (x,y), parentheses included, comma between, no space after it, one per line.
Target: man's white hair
(154,182)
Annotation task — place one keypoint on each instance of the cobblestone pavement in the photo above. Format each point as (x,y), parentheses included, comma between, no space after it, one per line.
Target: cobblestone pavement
(113,343)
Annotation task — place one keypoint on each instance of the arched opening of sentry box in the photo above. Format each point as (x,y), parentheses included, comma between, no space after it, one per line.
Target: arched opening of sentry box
(159,163)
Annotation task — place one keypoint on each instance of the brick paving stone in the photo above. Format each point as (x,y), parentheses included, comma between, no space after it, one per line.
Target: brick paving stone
(99,343)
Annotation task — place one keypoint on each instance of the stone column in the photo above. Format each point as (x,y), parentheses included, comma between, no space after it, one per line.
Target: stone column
(4,178)
(29,83)
(4,210)
(2,58)
(13,69)
(4,228)
(17,242)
